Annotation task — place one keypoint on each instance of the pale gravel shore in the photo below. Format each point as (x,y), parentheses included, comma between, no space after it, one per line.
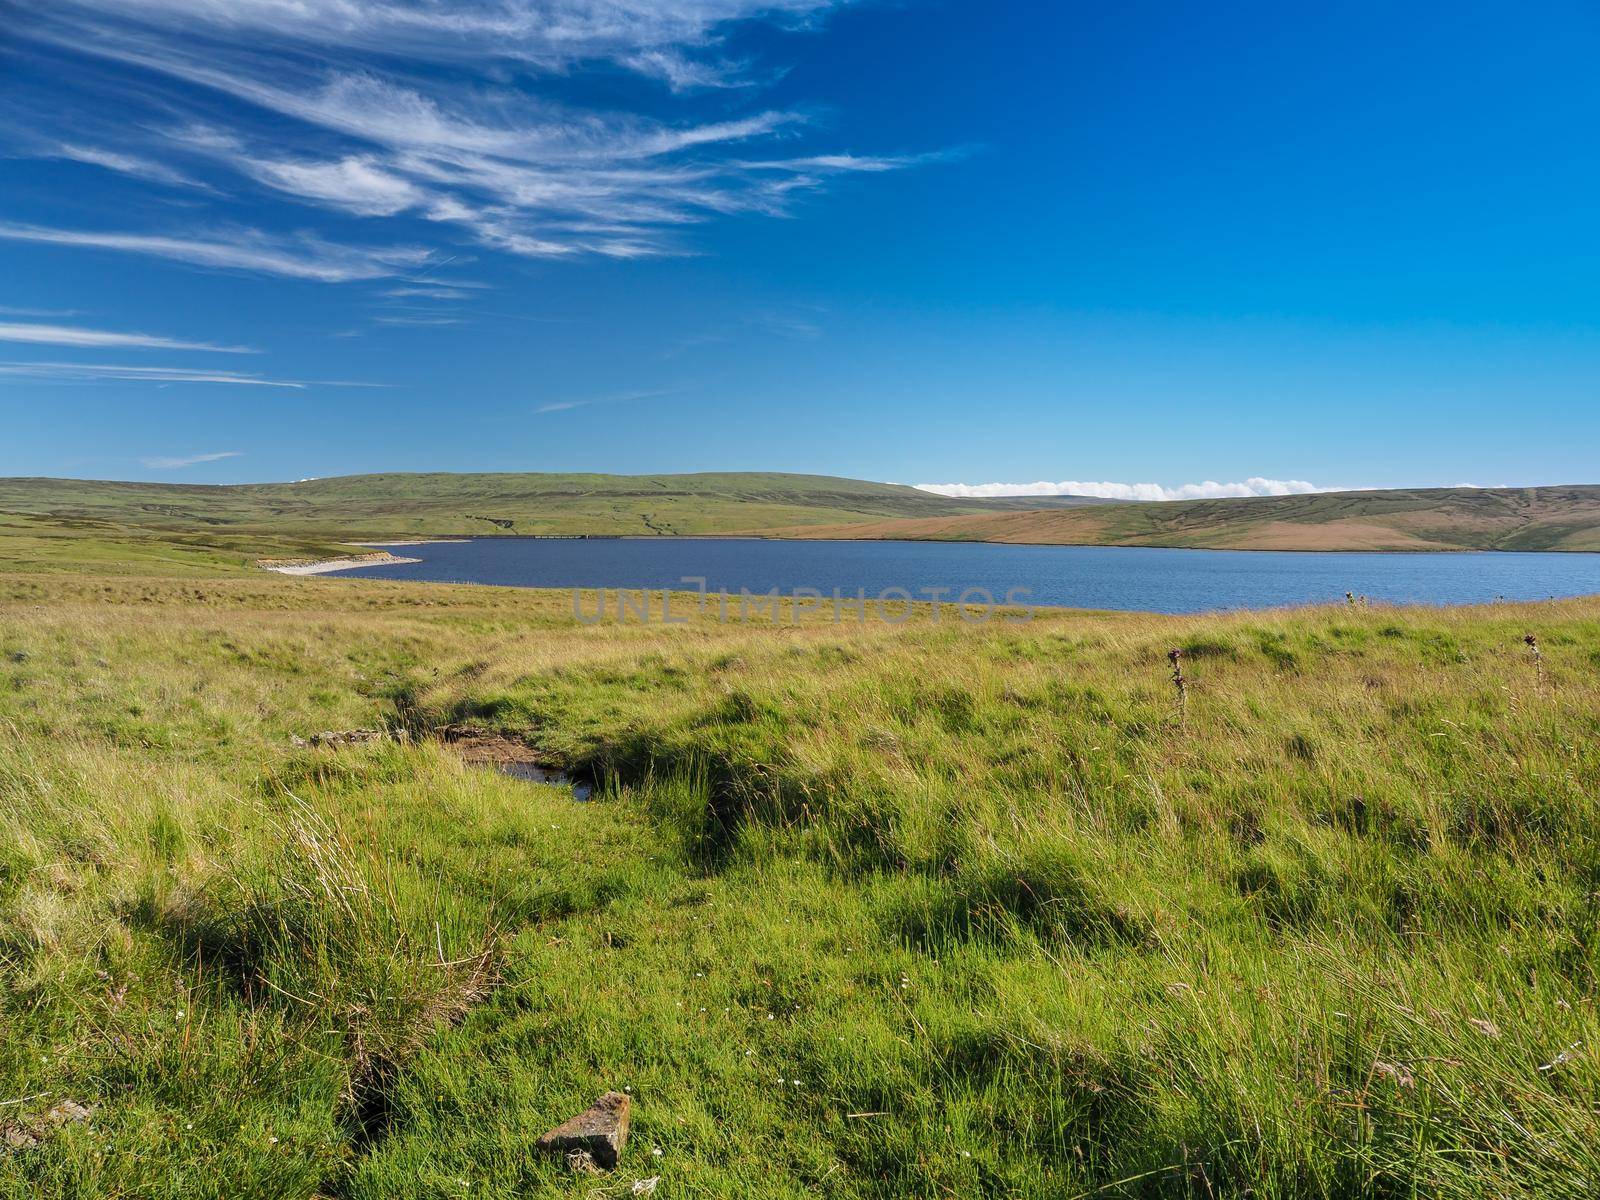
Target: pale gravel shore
(420,542)
(323,567)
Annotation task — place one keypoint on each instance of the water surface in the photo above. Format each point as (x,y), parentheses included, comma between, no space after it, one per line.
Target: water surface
(1136,578)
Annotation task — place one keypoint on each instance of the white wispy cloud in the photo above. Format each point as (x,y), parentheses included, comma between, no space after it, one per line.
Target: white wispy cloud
(96,372)
(303,257)
(126,164)
(427,293)
(528,178)
(659,38)
(841,163)
(431,110)
(1209,490)
(164,462)
(66,372)
(682,73)
(355,184)
(69,335)
(617,398)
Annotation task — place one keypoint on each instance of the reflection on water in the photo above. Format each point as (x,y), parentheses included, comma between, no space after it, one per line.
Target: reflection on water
(533,773)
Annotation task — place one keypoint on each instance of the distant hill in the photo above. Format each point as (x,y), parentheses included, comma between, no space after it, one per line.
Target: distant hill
(1541,518)
(431,505)
(76,520)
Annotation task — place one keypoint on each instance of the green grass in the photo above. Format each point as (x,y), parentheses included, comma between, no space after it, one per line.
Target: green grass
(73,545)
(861,911)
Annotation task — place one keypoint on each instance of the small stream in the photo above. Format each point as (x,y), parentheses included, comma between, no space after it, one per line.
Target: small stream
(530,772)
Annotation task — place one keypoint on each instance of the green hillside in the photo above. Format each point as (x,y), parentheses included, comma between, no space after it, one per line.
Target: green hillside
(1541,518)
(398,505)
(155,527)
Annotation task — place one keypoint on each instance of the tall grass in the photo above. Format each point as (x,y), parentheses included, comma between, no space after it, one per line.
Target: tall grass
(865,911)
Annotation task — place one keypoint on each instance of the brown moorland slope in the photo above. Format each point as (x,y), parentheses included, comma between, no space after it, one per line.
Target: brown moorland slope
(1541,518)
(52,520)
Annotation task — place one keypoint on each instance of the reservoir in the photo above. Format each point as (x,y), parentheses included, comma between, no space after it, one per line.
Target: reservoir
(1097,577)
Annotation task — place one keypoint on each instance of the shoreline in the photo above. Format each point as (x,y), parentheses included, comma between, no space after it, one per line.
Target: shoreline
(1395,551)
(418,542)
(324,566)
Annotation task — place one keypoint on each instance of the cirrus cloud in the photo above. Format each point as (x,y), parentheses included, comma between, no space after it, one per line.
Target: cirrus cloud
(100,339)
(675,41)
(73,372)
(446,114)
(164,462)
(302,257)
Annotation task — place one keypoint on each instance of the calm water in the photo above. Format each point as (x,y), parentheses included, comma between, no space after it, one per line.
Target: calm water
(1075,576)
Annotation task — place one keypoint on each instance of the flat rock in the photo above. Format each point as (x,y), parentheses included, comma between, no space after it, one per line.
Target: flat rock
(600,1132)
(343,737)
(26,1136)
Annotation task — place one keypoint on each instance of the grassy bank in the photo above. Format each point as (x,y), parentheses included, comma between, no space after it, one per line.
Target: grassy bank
(936,909)
(60,545)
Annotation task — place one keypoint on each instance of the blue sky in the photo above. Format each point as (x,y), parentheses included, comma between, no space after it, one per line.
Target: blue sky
(922,241)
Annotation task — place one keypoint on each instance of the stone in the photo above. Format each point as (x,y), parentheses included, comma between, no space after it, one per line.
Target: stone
(68,1111)
(581,1162)
(345,737)
(33,1133)
(600,1132)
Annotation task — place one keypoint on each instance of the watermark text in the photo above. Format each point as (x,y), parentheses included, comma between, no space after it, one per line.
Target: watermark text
(892,605)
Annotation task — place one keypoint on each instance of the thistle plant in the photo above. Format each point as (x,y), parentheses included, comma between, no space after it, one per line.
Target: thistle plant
(1180,686)
(1532,642)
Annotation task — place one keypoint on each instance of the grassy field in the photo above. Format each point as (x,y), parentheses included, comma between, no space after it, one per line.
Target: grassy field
(859,911)
(1547,518)
(50,544)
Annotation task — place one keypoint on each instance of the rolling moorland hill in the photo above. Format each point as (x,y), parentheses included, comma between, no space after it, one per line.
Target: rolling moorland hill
(159,527)
(152,526)
(1539,518)
(439,503)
